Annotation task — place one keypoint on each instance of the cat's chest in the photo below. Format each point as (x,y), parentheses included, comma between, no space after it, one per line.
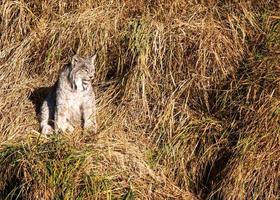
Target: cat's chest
(74,104)
(75,100)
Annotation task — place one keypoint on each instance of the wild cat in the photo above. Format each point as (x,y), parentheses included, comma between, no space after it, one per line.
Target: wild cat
(71,101)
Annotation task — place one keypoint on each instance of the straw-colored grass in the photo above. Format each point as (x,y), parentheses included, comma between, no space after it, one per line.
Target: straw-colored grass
(187,96)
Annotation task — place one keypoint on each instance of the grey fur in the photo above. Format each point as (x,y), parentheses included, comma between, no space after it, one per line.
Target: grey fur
(71,101)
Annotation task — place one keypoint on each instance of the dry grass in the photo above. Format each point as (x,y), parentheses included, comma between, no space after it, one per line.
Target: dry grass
(188,99)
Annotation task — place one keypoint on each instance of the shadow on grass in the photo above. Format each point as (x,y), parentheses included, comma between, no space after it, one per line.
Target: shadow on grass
(37,97)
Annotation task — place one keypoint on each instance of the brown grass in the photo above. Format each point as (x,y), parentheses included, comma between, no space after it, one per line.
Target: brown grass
(188,99)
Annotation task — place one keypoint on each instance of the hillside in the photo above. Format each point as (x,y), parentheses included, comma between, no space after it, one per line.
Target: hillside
(188,99)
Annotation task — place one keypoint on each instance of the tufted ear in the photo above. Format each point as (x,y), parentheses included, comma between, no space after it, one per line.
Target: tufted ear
(75,60)
(92,60)
(73,69)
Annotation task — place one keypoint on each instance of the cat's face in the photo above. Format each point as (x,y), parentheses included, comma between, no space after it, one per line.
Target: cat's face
(81,72)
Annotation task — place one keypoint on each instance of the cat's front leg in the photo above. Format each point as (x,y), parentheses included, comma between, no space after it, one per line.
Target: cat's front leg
(61,122)
(89,117)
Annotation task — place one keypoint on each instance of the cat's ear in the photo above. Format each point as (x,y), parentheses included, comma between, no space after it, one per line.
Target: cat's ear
(75,60)
(92,60)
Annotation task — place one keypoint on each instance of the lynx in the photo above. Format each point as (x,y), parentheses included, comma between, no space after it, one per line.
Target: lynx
(71,101)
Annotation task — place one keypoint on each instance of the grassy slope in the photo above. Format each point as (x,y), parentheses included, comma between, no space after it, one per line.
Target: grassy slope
(188,99)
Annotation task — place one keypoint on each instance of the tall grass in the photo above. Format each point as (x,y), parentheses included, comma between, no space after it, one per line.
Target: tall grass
(188,99)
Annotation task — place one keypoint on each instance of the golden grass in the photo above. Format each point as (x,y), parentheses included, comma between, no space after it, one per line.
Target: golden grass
(188,99)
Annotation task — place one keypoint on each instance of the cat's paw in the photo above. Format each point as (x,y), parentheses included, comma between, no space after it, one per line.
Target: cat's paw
(70,128)
(64,128)
(47,130)
(90,127)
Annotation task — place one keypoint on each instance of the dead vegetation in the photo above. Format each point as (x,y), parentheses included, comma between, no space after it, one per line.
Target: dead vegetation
(188,99)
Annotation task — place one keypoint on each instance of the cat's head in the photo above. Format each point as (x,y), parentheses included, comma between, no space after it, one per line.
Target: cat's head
(81,72)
